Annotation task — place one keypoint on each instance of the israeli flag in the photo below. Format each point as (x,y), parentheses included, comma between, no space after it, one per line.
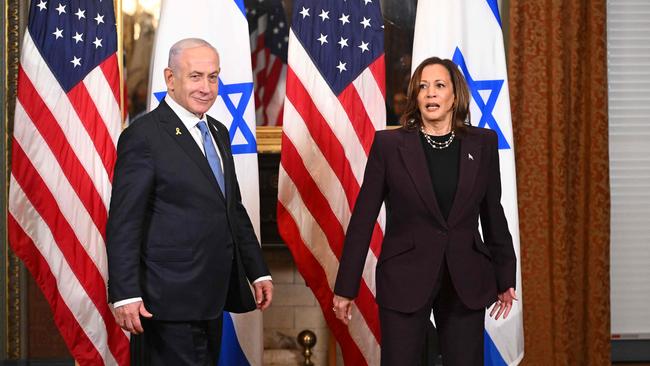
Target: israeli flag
(469,33)
(223,24)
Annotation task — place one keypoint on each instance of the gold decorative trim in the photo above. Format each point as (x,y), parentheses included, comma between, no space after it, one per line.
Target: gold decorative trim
(12,264)
(269,139)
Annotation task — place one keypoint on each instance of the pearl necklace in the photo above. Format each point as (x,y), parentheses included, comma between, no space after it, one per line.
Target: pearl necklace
(438,145)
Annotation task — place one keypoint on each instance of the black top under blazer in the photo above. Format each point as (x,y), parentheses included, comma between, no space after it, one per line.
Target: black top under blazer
(172,237)
(417,236)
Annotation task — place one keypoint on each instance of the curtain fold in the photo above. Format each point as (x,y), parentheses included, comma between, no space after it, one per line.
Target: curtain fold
(558,88)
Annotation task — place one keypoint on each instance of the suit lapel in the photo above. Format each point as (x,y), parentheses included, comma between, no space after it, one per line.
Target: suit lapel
(469,162)
(416,164)
(179,133)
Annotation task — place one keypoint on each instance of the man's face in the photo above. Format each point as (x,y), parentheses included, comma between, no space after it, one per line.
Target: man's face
(194,81)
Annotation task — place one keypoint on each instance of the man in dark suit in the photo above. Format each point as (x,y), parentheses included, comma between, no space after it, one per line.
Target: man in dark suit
(180,243)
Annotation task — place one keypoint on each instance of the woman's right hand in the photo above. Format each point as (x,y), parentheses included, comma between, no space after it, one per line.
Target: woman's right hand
(342,308)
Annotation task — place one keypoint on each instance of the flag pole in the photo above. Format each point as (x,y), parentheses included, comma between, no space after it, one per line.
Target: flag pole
(331,349)
(120,56)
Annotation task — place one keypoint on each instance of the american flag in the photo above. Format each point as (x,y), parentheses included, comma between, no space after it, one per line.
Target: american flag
(334,104)
(269,34)
(66,127)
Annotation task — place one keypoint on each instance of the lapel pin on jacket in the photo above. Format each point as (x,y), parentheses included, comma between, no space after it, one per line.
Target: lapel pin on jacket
(470,157)
(178,131)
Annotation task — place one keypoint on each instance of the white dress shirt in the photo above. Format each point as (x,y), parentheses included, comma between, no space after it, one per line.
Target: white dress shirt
(190,121)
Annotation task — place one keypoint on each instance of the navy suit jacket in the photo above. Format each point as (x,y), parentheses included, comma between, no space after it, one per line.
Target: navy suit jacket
(417,236)
(172,237)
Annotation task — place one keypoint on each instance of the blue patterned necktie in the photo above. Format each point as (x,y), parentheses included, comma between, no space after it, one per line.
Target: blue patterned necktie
(211,154)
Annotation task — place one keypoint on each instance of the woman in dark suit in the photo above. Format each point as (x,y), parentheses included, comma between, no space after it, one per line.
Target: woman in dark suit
(437,175)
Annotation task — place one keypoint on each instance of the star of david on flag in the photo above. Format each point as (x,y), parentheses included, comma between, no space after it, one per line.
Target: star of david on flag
(237,109)
(486,107)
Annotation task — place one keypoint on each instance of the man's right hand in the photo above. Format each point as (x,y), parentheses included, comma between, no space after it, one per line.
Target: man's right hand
(128,316)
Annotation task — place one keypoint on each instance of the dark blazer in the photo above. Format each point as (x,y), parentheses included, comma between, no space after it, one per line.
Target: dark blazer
(172,237)
(417,236)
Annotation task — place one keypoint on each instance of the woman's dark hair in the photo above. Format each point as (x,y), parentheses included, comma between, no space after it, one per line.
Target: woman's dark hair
(411,119)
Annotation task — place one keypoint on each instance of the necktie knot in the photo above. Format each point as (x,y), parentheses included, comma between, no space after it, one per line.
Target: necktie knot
(203,127)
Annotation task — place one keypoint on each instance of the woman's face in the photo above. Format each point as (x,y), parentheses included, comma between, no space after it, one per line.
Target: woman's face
(436,94)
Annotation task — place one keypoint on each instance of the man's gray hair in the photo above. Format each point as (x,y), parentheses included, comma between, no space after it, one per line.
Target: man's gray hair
(180,46)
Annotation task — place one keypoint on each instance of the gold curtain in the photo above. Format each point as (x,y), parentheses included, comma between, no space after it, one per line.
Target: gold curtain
(558,86)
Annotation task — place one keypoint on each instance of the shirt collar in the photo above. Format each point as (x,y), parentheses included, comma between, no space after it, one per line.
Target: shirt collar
(188,118)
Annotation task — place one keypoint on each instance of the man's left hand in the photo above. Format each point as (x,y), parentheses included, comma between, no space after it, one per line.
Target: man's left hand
(263,294)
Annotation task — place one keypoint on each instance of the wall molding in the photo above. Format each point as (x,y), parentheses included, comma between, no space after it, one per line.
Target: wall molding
(12,279)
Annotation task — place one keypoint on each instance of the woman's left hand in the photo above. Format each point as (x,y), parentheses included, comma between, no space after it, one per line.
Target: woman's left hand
(503,304)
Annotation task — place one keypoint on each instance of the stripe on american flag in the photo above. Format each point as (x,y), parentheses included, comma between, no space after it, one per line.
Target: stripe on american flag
(40,117)
(78,342)
(63,112)
(330,117)
(67,122)
(328,224)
